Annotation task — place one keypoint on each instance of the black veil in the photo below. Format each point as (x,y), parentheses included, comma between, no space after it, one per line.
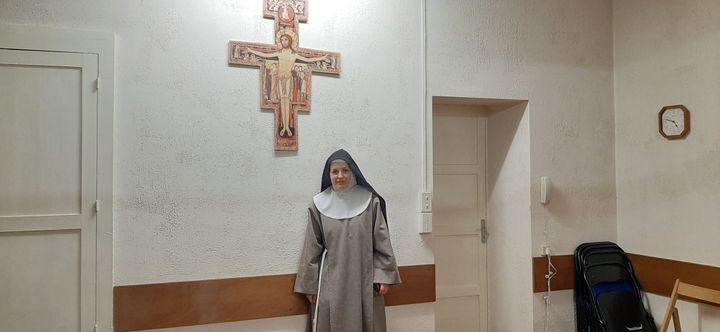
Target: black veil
(359,178)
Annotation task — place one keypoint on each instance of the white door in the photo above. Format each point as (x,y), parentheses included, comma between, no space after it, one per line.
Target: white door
(48,147)
(459,205)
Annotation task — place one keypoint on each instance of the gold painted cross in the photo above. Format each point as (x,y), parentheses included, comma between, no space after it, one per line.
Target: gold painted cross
(285,69)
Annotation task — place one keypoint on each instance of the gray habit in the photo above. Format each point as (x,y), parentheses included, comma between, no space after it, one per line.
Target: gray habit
(359,255)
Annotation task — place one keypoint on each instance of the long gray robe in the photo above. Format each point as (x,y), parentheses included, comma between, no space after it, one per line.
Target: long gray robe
(358,256)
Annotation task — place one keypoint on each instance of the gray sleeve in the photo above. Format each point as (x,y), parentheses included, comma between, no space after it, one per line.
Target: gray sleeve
(306,281)
(386,270)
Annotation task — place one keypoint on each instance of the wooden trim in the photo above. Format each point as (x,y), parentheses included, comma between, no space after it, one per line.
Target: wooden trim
(564,279)
(655,275)
(418,286)
(143,307)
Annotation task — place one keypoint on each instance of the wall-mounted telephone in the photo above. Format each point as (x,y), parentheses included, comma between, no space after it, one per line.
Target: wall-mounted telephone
(544,190)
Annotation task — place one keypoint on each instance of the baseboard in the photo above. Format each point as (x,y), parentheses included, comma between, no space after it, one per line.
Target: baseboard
(153,306)
(655,275)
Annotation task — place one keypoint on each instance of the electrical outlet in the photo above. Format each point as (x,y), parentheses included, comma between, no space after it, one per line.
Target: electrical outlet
(426,223)
(546,251)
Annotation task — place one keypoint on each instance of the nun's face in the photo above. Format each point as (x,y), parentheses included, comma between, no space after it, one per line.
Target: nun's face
(341,176)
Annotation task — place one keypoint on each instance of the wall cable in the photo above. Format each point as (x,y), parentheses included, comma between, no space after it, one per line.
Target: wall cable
(551,270)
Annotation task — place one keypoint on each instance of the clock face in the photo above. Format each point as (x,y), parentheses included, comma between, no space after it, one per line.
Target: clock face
(674,121)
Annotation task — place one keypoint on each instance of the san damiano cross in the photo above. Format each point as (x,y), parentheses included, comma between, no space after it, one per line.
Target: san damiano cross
(285,69)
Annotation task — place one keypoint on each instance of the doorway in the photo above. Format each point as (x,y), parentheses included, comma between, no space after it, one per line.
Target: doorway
(480,175)
(459,213)
(55,171)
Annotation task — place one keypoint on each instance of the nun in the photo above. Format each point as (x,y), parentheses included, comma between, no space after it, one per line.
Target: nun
(347,262)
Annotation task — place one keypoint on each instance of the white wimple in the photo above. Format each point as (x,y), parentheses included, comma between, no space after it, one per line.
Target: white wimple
(343,205)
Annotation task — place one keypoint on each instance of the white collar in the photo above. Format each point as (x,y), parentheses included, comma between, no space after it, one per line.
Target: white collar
(343,205)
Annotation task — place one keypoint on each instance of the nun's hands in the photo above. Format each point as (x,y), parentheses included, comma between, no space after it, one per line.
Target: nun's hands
(311,298)
(384,288)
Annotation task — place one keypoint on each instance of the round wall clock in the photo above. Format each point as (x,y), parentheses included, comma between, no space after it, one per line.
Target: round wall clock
(674,121)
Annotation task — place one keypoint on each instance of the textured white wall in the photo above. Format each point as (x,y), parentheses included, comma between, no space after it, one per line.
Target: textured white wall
(509,262)
(561,311)
(693,317)
(558,55)
(199,191)
(668,191)
(667,53)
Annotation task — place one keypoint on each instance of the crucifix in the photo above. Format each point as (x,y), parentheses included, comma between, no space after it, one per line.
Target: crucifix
(285,69)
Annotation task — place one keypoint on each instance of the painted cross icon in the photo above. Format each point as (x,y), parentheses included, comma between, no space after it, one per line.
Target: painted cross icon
(285,69)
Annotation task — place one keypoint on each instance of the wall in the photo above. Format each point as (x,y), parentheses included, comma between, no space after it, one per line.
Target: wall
(667,53)
(198,187)
(195,160)
(199,191)
(557,55)
(509,243)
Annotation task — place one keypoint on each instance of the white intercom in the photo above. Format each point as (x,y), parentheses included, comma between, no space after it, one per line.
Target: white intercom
(544,190)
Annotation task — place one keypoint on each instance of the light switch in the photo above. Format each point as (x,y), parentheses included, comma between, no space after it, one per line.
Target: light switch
(425,202)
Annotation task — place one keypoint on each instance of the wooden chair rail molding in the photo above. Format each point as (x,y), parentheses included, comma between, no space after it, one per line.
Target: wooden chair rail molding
(144,307)
(655,275)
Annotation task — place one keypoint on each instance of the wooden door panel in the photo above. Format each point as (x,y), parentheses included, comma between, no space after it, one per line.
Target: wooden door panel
(457,267)
(458,145)
(459,204)
(455,206)
(48,176)
(40,146)
(458,314)
(40,282)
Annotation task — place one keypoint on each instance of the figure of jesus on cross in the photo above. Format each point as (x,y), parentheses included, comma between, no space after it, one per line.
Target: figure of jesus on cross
(286,58)
(285,69)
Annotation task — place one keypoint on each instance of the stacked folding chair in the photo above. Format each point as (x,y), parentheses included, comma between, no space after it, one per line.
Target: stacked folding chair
(607,295)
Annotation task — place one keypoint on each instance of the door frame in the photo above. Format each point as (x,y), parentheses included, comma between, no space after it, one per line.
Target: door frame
(23,37)
(479,114)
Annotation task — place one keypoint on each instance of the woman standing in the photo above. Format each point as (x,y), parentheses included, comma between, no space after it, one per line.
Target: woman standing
(347,262)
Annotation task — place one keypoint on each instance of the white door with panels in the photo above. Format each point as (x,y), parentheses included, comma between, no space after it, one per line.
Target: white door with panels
(48,176)
(459,211)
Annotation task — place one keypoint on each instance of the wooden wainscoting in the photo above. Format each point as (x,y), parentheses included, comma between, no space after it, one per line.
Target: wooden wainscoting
(655,275)
(143,307)
(564,279)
